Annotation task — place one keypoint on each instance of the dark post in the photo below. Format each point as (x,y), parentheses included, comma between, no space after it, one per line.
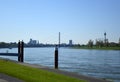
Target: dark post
(22,51)
(56,57)
(19,51)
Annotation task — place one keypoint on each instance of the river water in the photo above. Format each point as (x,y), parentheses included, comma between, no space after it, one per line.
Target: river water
(97,63)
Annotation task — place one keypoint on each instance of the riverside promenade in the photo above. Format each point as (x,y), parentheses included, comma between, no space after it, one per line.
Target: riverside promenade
(6,78)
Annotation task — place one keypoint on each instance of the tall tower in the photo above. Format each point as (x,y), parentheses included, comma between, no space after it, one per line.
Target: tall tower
(105,37)
(59,39)
(119,41)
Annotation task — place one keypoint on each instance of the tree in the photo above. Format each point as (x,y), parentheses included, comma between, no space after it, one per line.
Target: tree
(90,43)
(4,45)
(107,43)
(99,43)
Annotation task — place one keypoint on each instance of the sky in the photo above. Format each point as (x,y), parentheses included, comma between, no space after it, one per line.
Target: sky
(77,20)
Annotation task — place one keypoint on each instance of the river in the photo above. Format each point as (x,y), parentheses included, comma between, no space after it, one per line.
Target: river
(96,63)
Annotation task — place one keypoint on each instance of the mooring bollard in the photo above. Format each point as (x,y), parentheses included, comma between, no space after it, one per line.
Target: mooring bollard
(21,51)
(56,57)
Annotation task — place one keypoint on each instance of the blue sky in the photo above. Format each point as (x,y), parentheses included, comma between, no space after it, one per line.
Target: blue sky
(79,20)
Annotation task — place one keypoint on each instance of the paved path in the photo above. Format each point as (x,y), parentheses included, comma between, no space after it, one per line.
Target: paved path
(6,78)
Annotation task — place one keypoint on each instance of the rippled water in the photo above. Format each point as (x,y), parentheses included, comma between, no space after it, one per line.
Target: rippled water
(96,63)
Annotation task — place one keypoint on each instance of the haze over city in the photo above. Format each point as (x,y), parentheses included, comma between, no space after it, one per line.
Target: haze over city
(77,20)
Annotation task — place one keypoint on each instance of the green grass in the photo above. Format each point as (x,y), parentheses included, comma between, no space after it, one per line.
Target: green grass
(29,74)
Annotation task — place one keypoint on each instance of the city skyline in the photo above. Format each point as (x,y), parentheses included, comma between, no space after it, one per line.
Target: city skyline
(78,20)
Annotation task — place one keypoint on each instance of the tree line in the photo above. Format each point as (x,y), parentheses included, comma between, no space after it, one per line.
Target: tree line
(103,43)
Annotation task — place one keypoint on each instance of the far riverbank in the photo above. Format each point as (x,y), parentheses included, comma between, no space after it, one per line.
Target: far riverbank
(98,48)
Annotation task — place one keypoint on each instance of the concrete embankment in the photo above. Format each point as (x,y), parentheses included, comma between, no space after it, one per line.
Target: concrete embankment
(70,74)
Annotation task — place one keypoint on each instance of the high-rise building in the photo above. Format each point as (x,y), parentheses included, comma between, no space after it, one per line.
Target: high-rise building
(70,42)
(33,42)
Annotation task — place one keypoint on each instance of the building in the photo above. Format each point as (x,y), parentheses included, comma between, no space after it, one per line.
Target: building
(33,42)
(70,42)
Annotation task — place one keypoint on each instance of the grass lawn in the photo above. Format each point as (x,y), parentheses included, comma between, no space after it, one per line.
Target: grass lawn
(29,74)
